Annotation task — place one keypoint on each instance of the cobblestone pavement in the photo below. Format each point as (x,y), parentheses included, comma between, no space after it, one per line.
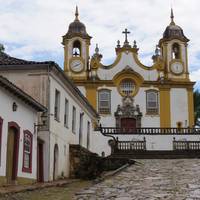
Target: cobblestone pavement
(152,179)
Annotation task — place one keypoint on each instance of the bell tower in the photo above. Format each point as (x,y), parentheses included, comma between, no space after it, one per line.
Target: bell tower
(173,47)
(76,49)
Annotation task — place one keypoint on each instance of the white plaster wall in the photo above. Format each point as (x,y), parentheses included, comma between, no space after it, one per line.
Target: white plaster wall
(25,117)
(127,60)
(61,135)
(179,106)
(82,89)
(153,142)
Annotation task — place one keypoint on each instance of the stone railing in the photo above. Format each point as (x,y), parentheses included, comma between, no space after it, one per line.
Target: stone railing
(186,145)
(148,131)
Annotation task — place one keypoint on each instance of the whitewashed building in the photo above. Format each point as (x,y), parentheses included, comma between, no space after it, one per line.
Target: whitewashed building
(18,135)
(70,118)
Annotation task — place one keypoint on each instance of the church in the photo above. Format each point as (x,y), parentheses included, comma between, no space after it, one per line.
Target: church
(129,96)
(121,108)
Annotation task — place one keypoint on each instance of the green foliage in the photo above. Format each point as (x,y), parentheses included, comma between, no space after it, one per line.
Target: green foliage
(197,106)
(2,49)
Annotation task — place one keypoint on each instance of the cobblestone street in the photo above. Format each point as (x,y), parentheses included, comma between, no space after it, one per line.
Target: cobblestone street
(152,179)
(148,179)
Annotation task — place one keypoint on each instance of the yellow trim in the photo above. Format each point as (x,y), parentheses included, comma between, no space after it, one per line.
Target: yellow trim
(135,57)
(25,181)
(113,64)
(165,117)
(20,181)
(3,180)
(91,95)
(66,57)
(190,107)
(128,74)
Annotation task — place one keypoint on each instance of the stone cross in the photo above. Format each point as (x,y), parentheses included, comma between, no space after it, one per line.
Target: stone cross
(126,32)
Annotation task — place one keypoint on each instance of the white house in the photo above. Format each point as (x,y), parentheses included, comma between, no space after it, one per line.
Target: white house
(70,118)
(18,135)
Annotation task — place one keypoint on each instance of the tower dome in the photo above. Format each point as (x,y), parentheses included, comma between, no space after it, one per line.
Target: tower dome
(174,31)
(77,28)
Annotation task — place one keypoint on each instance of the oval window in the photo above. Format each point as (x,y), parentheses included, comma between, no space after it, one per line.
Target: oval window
(127,87)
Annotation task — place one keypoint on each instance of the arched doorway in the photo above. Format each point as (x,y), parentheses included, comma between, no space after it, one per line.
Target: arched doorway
(55,163)
(12,152)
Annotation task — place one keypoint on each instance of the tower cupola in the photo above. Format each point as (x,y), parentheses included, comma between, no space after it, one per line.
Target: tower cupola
(76,28)
(174,31)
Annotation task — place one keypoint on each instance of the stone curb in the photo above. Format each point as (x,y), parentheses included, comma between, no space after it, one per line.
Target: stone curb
(19,188)
(112,173)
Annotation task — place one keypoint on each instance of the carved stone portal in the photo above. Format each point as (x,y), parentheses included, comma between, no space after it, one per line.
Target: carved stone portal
(127,115)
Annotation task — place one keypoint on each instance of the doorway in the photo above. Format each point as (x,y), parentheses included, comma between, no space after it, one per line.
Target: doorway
(12,152)
(55,163)
(129,124)
(40,161)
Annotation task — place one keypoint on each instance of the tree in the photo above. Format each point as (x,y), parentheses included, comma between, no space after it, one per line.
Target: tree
(197,107)
(1,48)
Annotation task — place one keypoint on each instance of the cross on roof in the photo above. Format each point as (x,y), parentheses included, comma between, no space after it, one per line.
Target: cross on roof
(126,32)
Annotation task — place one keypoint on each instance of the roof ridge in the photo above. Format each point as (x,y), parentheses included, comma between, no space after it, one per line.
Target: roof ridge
(6,59)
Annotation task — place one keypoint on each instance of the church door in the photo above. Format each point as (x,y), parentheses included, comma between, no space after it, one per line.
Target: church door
(12,154)
(129,124)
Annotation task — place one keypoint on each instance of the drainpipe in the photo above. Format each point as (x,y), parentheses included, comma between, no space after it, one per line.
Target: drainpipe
(49,117)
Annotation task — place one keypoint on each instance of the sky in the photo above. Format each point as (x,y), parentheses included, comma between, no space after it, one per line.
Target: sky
(33,29)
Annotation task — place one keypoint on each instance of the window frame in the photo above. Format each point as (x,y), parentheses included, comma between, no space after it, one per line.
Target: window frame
(151,110)
(127,80)
(25,169)
(108,111)
(1,130)
(66,113)
(57,105)
(74,119)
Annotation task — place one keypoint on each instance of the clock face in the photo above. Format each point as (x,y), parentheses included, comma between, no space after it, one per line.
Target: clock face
(177,68)
(76,66)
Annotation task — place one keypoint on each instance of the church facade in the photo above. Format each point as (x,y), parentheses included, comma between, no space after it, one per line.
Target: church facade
(128,94)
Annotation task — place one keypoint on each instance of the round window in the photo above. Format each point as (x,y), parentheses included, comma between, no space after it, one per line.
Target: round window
(127,87)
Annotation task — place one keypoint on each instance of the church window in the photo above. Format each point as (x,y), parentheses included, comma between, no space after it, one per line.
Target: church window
(104,101)
(76,49)
(152,102)
(66,115)
(57,106)
(74,119)
(27,156)
(1,129)
(127,87)
(175,51)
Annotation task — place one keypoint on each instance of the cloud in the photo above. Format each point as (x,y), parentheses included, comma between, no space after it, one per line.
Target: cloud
(33,29)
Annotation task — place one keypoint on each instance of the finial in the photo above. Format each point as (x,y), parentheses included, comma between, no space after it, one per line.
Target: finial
(157,51)
(118,44)
(76,13)
(172,17)
(97,49)
(134,44)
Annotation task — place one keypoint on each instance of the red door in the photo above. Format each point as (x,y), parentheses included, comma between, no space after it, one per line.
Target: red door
(40,167)
(128,124)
